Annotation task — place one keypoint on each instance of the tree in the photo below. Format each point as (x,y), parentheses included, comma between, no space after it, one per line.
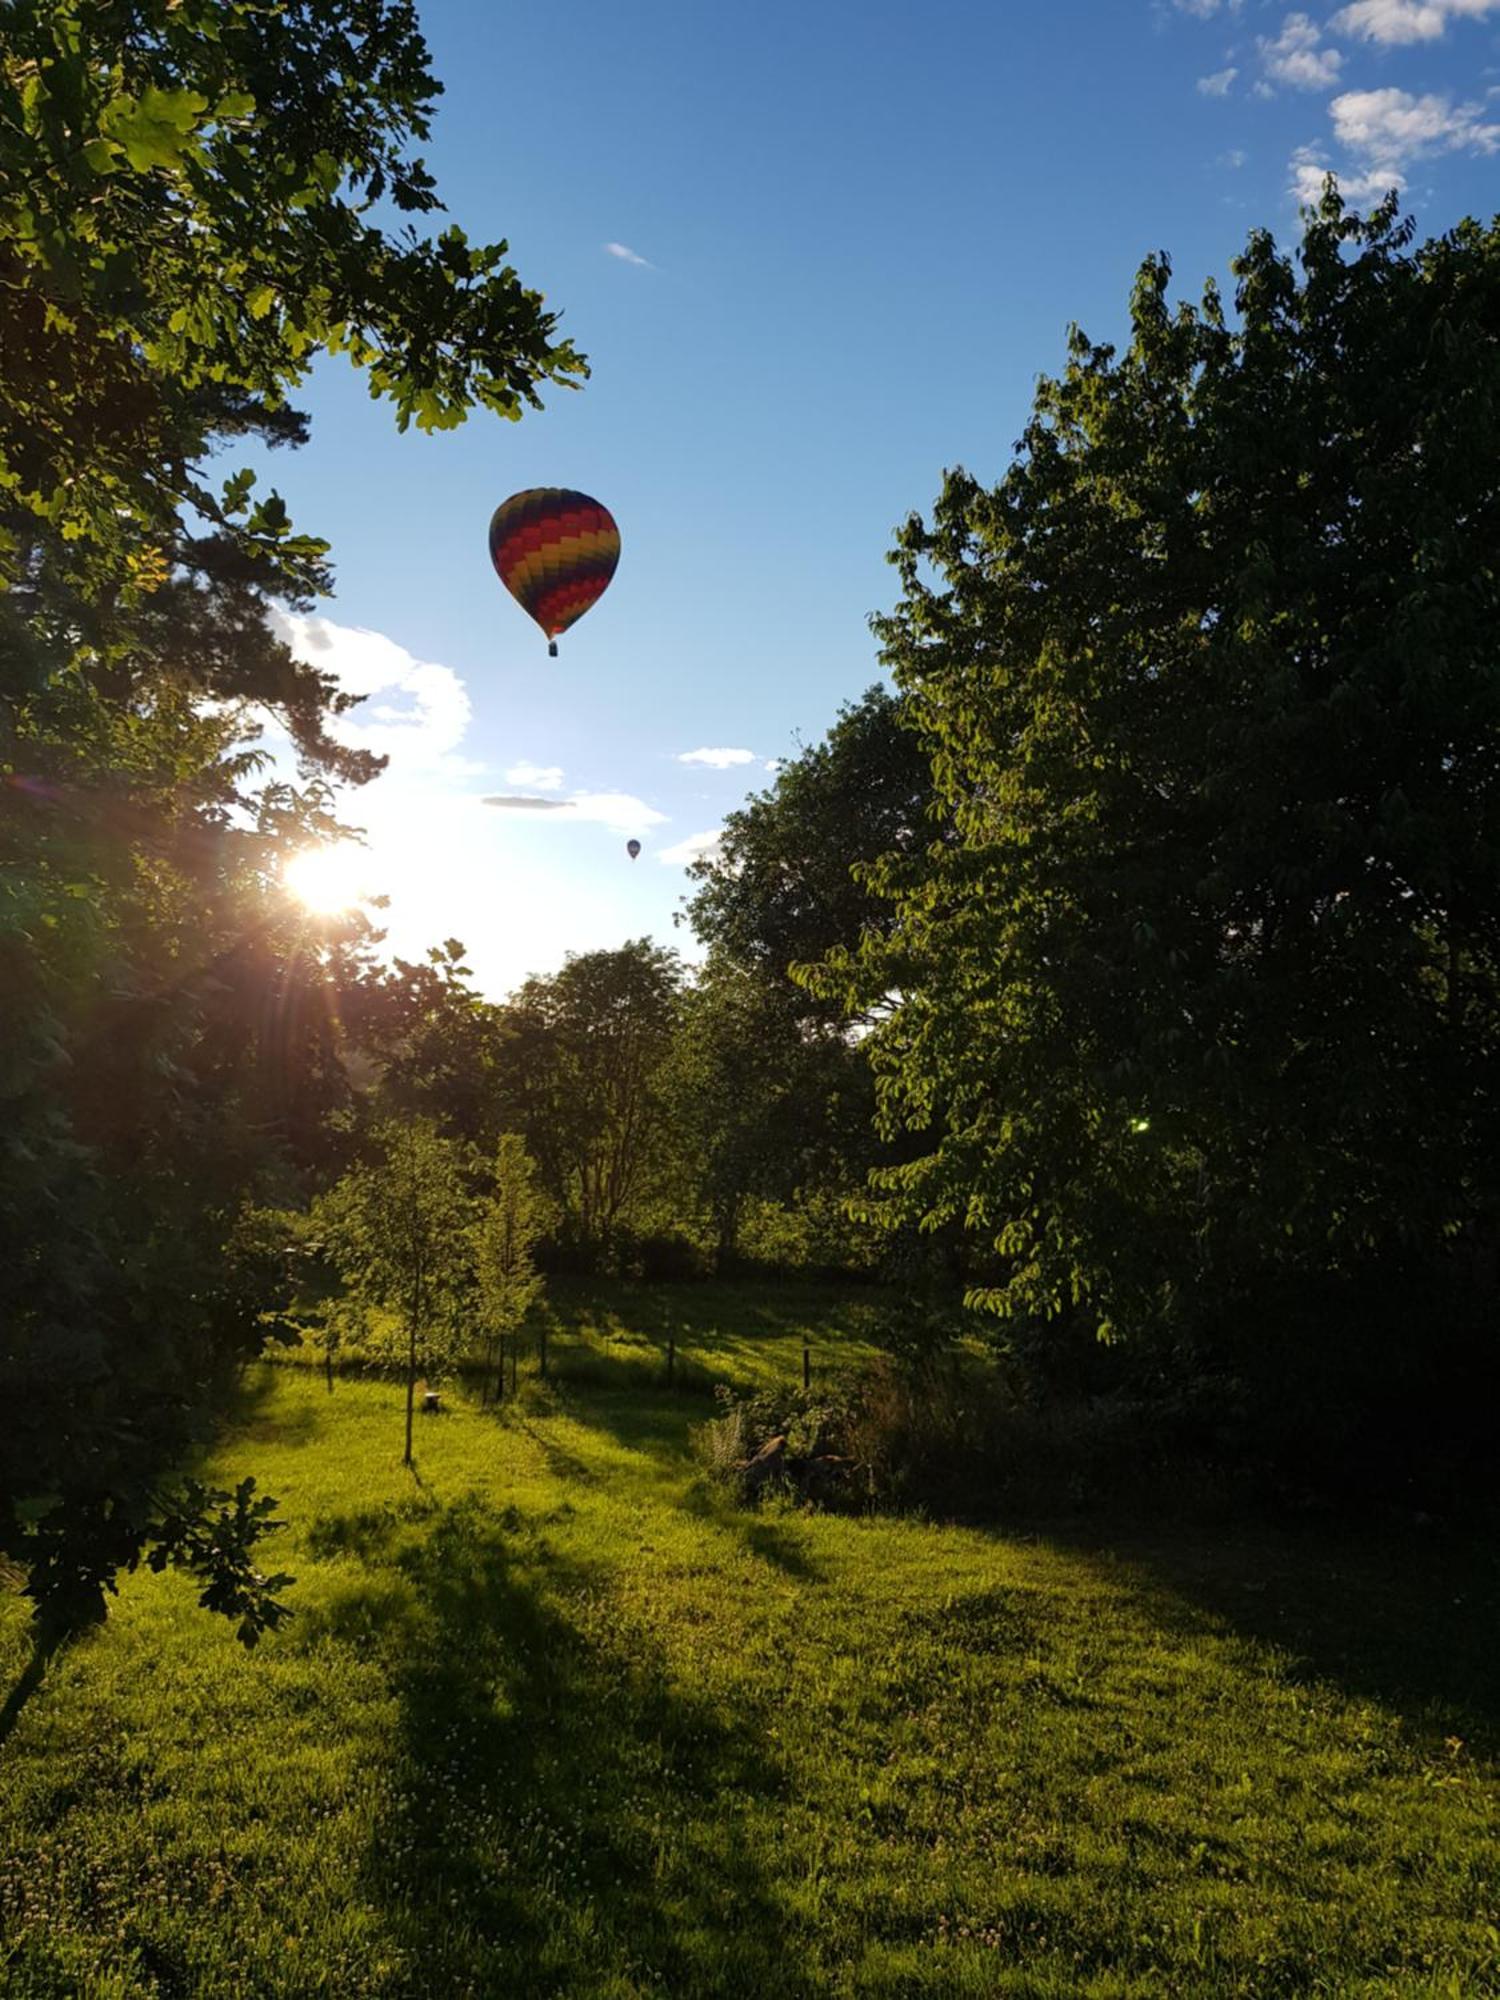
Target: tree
(722,1089)
(1203,996)
(188,194)
(437,1042)
(578,1078)
(785,885)
(790,884)
(760,1104)
(505,1238)
(398,1230)
(188,186)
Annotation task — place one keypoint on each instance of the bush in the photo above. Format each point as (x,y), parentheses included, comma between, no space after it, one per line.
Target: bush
(956,1441)
(816,1424)
(812,1237)
(661,1257)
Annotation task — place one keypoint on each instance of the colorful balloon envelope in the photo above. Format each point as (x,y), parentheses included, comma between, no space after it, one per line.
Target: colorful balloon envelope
(633,848)
(555,551)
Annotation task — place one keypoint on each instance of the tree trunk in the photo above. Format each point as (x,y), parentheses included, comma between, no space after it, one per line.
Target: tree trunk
(411,1397)
(411,1381)
(726,1249)
(411,1349)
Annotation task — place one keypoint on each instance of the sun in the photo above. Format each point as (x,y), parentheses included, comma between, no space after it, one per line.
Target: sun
(327,880)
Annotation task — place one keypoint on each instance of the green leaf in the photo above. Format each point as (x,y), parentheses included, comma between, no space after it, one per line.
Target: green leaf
(261,300)
(156,129)
(236,491)
(101,154)
(270,518)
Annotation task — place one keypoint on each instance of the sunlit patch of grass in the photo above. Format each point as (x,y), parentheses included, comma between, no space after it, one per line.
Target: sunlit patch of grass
(610,1334)
(556,1718)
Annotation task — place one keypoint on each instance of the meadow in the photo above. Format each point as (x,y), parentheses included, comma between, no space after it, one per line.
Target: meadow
(554,1716)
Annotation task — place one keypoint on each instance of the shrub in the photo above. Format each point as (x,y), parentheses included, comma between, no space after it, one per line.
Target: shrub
(956,1441)
(817,1424)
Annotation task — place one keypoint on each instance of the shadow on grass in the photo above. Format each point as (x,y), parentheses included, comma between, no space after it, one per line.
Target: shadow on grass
(43,1651)
(696,1310)
(782,1546)
(559,1461)
(244,1414)
(1407,1619)
(656,1425)
(546,1828)
(659,1429)
(711,1325)
(236,1407)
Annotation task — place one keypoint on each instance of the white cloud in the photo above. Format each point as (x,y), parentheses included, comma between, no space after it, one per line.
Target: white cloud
(1234,159)
(1384,131)
(1393,21)
(1218,84)
(424,713)
(540,777)
(719,759)
(516,890)
(1359,189)
(774,764)
(524,802)
(1390,126)
(693,848)
(1295,57)
(1204,10)
(628,256)
(622,812)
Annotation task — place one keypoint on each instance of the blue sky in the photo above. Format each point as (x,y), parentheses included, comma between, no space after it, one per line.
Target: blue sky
(855,237)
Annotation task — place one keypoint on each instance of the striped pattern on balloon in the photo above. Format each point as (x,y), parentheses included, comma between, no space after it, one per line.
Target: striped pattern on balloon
(555,551)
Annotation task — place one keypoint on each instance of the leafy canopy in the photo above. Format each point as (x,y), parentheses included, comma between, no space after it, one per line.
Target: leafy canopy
(398,1227)
(578,1077)
(193,201)
(510,1225)
(786,885)
(197,199)
(1205,989)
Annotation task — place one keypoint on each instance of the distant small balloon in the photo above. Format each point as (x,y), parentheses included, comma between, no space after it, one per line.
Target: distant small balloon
(633,848)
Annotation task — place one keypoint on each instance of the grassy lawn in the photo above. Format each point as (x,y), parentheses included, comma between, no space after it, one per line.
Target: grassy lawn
(629,1336)
(553,1718)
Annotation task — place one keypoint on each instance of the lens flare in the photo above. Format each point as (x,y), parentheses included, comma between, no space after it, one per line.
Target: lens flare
(328,880)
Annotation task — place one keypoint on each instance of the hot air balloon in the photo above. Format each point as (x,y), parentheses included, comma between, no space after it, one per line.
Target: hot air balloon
(555,551)
(633,849)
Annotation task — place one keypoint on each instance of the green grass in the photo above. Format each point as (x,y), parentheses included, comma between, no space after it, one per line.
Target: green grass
(628,1336)
(553,1718)
(749,1335)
